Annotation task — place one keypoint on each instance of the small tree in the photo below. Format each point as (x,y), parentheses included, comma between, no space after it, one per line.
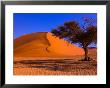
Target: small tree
(74,33)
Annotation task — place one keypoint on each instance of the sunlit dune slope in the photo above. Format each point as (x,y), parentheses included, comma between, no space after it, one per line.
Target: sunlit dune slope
(62,46)
(43,44)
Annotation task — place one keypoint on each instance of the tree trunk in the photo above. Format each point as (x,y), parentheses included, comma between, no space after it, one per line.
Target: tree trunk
(86,53)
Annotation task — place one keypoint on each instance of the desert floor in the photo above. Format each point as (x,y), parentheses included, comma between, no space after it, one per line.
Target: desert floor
(55,66)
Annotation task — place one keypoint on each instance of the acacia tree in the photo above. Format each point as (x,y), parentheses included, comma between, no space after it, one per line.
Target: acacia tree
(83,35)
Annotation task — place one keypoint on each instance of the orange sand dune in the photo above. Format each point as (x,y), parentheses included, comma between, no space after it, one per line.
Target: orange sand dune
(43,44)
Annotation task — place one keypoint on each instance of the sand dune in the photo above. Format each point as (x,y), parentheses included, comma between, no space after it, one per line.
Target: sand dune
(43,44)
(44,54)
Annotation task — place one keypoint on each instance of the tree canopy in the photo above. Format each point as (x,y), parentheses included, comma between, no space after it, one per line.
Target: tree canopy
(73,32)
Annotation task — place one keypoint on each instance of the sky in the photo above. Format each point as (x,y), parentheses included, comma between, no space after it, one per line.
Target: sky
(26,23)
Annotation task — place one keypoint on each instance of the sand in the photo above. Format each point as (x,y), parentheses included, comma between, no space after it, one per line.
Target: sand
(43,44)
(44,54)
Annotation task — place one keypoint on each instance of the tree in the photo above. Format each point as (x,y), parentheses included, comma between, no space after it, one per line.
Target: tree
(83,35)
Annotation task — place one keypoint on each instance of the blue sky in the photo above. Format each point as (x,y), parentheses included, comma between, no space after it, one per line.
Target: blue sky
(25,23)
